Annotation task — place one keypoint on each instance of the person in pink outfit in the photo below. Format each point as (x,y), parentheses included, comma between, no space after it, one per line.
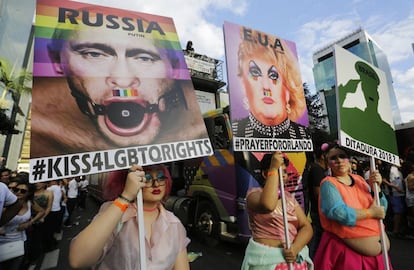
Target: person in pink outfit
(111,241)
(267,247)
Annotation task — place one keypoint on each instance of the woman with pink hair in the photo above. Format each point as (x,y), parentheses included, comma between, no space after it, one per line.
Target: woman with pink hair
(111,240)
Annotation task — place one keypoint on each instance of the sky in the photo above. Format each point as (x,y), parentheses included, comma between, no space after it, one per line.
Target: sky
(311,24)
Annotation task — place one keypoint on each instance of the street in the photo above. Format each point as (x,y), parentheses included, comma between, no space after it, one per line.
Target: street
(223,256)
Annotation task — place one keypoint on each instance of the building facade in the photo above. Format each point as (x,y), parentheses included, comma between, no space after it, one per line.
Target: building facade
(16,18)
(363,46)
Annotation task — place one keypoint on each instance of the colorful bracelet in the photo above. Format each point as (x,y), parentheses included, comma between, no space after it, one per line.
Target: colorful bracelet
(272,173)
(120,205)
(125,199)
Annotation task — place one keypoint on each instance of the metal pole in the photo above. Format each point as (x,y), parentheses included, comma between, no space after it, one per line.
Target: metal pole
(141,232)
(285,221)
(380,223)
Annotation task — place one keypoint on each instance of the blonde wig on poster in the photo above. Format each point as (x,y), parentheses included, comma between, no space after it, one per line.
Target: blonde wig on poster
(285,62)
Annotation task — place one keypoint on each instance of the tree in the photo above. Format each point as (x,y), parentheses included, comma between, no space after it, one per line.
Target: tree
(315,110)
(317,118)
(13,82)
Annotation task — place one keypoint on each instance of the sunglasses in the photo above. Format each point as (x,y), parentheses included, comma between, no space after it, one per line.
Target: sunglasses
(161,179)
(19,190)
(339,156)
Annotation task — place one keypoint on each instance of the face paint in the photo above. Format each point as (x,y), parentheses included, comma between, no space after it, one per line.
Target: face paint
(254,70)
(339,156)
(267,93)
(273,74)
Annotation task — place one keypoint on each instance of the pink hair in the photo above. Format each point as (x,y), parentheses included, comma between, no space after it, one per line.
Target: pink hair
(115,182)
(324,147)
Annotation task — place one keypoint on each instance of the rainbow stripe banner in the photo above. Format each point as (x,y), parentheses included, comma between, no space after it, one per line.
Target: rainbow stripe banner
(125,92)
(57,20)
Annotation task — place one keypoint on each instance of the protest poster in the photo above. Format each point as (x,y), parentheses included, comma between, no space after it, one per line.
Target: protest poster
(267,102)
(364,110)
(111,88)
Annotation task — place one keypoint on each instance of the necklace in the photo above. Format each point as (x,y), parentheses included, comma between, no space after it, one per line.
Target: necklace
(269,131)
(151,209)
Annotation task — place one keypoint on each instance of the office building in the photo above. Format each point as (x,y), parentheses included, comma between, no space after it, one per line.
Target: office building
(16,35)
(363,46)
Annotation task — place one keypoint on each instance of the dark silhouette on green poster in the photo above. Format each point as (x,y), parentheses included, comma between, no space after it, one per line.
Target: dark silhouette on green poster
(366,125)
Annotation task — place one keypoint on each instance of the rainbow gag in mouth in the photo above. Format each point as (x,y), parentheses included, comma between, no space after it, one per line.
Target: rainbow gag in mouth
(125,92)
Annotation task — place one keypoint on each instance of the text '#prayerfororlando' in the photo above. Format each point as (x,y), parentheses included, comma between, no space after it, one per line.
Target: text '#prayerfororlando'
(264,144)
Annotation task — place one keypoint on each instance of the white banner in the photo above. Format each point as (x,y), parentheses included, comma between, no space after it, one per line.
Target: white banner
(58,167)
(368,149)
(206,100)
(199,64)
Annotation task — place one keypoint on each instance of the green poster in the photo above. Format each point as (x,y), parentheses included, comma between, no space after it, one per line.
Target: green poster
(364,110)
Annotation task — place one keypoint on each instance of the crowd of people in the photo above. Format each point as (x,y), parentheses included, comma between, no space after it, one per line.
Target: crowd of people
(345,231)
(344,234)
(340,231)
(341,216)
(33,216)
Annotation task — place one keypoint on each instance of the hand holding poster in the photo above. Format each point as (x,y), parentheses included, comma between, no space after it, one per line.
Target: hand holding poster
(268,107)
(111,89)
(268,113)
(269,206)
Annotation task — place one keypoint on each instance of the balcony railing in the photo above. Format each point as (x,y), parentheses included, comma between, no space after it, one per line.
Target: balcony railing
(204,67)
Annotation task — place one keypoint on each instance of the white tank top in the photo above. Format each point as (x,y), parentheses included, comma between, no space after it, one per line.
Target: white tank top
(57,197)
(12,234)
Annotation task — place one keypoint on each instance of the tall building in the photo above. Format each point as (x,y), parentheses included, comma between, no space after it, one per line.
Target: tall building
(16,36)
(363,46)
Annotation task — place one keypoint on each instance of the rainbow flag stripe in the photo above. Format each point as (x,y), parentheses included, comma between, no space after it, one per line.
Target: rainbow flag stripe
(128,92)
(267,93)
(56,20)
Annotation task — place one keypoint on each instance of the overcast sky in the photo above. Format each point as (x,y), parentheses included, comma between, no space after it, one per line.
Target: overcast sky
(311,24)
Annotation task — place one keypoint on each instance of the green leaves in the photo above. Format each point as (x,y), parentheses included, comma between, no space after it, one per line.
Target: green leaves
(14,81)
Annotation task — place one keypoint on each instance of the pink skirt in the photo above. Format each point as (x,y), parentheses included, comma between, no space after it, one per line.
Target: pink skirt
(334,254)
